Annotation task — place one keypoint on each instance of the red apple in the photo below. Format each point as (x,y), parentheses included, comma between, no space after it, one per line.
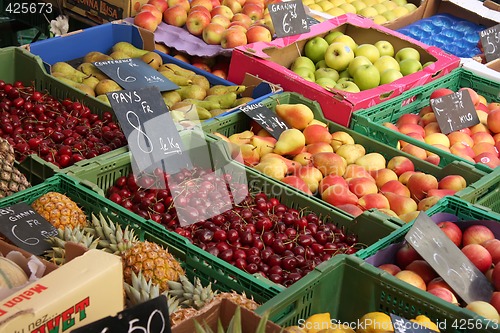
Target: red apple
(176,16)
(232,38)
(183,3)
(444,294)
(244,18)
(221,19)
(496,278)
(220,73)
(422,268)
(205,3)
(452,231)
(201,66)
(441,92)
(350,209)
(493,247)
(406,255)
(258,33)
(488,159)
(200,8)
(161,5)
(255,12)
(472,93)
(222,10)
(212,34)
(151,8)
(197,21)
(146,20)
(495,300)
(494,121)
(477,234)
(408,118)
(479,256)
(438,283)
(390,268)
(234,5)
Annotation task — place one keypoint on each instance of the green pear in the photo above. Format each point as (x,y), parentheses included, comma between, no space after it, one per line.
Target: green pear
(71,77)
(174,78)
(117,55)
(201,81)
(67,71)
(91,81)
(241,101)
(249,154)
(225,101)
(170,98)
(179,70)
(222,90)
(153,59)
(96,56)
(207,104)
(104,99)
(217,112)
(264,144)
(106,86)
(241,138)
(290,142)
(273,168)
(193,91)
(129,49)
(89,69)
(86,89)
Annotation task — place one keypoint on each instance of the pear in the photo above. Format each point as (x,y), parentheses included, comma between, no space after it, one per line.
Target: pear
(180,71)
(241,101)
(291,165)
(129,49)
(86,89)
(265,145)
(201,81)
(67,71)
(91,81)
(170,98)
(104,99)
(225,101)
(117,55)
(249,154)
(372,161)
(153,59)
(296,115)
(65,80)
(351,152)
(329,163)
(197,113)
(217,112)
(71,77)
(174,78)
(222,90)
(273,168)
(106,86)
(96,56)
(89,69)
(290,142)
(241,138)
(209,105)
(193,91)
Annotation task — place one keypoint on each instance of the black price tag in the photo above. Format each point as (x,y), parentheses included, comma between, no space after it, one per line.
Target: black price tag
(311,20)
(454,111)
(289,18)
(134,74)
(402,325)
(151,133)
(490,38)
(448,261)
(265,117)
(148,317)
(27,229)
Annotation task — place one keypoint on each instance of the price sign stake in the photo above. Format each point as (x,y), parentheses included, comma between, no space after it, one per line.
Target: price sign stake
(454,111)
(266,118)
(402,325)
(289,18)
(152,136)
(27,229)
(490,39)
(448,261)
(134,74)
(148,317)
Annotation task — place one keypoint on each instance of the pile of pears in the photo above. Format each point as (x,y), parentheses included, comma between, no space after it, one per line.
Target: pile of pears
(195,100)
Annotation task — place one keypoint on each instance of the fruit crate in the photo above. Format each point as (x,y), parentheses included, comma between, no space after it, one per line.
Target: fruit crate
(485,192)
(19,65)
(359,288)
(196,262)
(370,121)
(369,227)
(238,122)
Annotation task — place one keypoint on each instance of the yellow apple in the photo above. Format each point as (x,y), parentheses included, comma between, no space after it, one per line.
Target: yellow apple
(335,11)
(379,19)
(348,8)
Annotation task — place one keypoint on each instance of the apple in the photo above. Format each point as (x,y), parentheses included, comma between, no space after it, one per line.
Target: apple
(212,34)
(305,73)
(440,92)
(366,77)
(176,15)
(452,231)
(386,62)
(146,20)
(238,25)
(205,3)
(358,4)
(330,37)
(200,8)
(222,10)
(390,75)
(338,55)
(493,121)
(326,83)
(254,11)
(496,277)
(258,33)
(476,234)
(444,294)
(407,53)
(183,3)
(327,72)
(369,51)
(347,86)
(406,255)
(346,40)
(151,8)
(423,269)
(234,5)
(385,48)
(493,247)
(390,268)
(412,278)
(389,15)
(161,5)
(244,18)
(409,66)
(495,300)
(356,63)
(315,48)
(479,256)
(196,22)
(303,61)
(321,64)
(485,310)
(379,19)
(232,38)
(369,12)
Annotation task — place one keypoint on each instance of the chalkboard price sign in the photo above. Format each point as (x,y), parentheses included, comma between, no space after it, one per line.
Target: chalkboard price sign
(454,111)
(266,118)
(448,261)
(402,325)
(27,229)
(152,135)
(148,317)
(134,73)
(289,18)
(490,39)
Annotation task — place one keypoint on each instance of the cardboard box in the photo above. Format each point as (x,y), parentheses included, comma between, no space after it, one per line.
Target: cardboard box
(270,61)
(225,310)
(490,71)
(87,288)
(101,11)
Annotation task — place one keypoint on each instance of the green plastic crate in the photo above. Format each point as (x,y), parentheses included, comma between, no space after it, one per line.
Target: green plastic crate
(238,122)
(370,227)
(348,288)
(485,192)
(16,64)
(196,262)
(370,121)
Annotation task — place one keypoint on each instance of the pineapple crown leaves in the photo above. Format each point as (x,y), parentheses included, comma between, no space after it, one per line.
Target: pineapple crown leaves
(112,238)
(80,236)
(189,294)
(235,325)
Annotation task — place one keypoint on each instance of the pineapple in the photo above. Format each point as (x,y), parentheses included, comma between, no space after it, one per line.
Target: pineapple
(11,179)
(142,290)
(240,299)
(60,210)
(191,295)
(235,324)
(7,152)
(155,262)
(57,253)
(112,238)
(182,314)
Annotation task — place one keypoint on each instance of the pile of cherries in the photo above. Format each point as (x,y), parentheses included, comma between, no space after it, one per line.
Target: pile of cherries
(61,133)
(257,235)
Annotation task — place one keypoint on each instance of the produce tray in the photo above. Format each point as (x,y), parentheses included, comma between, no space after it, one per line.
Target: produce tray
(196,262)
(348,288)
(369,121)
(16,64)
(370,227)
(238,122)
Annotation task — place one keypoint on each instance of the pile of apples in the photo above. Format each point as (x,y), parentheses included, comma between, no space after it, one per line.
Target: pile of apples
(380,11)
(477,144)
(478,244)
(336,61)
(229,23)
(337,169)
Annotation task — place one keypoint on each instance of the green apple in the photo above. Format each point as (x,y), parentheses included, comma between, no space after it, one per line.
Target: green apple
(390,75)
(326,72)
(409,66)
(400,11)
(305,73)
(366,77)
(386,62)
(325,5)
(344,74)
(346,40)
(338,56)
(315,7)
(389,15)
(411,7)
(326,83)
(385,48)
(379,19)
(344,79)
(369,12)
(427,64)
(321,64)
(400,2)
(358,61)
(348,8)
(407,53)
(337,3)
(389,4)
(336,11)
(315,48)
(380,8)
(303,61)
(367,50)
(347,86)
(358,4)
(332,35)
